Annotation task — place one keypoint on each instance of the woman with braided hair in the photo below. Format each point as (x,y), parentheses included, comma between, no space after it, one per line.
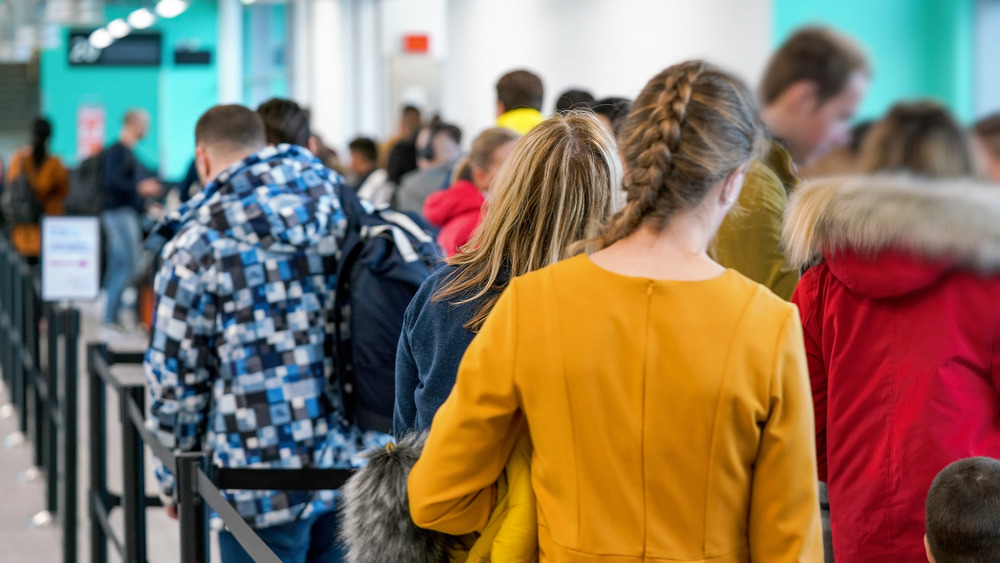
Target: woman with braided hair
(666,397)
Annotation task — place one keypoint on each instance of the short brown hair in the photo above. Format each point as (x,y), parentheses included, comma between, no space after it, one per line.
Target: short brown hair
(520,88)
(813,54)
(988,131)
(285,122)
(234,127)
(963,508)
(919,138)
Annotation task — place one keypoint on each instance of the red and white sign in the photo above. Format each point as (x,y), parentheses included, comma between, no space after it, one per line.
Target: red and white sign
(91,130)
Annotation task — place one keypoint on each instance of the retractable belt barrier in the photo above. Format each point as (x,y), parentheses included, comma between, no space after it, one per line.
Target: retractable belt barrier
(38,358)
(199,485)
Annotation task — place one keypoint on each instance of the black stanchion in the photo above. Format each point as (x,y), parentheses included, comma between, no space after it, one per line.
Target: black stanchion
(100,501)
(190,509)
(134,476)
(52,423)
(70,375)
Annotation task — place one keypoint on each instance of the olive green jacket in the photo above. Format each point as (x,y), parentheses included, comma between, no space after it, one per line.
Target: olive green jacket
(749,240)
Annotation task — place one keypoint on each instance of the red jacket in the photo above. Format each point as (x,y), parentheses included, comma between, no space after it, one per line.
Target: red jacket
(901,328)
(457,211)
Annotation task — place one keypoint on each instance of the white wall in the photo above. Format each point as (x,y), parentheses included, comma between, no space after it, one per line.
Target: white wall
(610,47)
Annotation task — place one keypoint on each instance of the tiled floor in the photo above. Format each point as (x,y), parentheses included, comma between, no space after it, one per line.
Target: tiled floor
(19,500)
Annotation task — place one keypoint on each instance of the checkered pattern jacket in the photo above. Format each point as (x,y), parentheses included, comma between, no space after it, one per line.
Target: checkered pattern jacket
(240,353)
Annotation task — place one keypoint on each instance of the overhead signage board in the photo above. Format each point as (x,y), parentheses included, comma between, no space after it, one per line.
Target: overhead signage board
(137,49)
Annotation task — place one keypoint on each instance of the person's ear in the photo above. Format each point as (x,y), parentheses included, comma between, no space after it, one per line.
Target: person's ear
(313,145)
(927,548)
(500,108)
(733,185)
(802,97)
(203,165)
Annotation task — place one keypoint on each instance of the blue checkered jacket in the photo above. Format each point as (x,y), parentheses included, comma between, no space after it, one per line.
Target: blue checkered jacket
(240,353)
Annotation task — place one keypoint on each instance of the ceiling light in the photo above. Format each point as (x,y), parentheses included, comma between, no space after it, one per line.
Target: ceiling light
(101,39)
(118,28)
(141,18)
(171,8)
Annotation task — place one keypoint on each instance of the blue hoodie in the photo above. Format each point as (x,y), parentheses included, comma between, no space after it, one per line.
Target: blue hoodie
(239,361)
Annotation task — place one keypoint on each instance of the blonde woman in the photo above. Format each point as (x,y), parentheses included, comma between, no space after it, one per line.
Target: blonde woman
(553,191)
(666,397)
(921,139)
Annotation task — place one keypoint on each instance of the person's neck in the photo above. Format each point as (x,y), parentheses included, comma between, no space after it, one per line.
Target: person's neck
(128,139)
(678,252)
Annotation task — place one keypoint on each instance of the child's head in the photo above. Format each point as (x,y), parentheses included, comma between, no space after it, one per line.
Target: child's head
(963,513)
(489,151)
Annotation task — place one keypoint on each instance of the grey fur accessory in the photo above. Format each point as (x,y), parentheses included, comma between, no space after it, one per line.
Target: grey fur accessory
(375,516)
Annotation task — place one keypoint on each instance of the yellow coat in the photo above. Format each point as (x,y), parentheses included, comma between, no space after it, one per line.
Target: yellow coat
(520,120)
(749,240)
(669,420)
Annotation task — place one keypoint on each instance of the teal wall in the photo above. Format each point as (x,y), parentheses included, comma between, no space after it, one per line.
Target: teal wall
(174,96)
(917,48)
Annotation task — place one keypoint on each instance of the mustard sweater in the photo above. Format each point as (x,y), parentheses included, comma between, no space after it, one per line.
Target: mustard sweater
(670,420)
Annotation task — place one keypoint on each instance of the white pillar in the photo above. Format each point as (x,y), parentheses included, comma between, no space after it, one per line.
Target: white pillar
(229,52)
(302,30)
(325,71)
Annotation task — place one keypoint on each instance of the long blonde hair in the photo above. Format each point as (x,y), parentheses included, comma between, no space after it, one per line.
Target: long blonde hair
(691,126)
(553,191)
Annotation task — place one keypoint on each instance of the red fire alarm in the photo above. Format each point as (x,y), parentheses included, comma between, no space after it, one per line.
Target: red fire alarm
(416,43)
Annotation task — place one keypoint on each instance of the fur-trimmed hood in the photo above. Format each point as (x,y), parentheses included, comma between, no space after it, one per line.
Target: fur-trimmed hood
(898,231)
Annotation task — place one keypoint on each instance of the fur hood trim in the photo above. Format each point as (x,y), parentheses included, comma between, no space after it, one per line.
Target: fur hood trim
(957,220)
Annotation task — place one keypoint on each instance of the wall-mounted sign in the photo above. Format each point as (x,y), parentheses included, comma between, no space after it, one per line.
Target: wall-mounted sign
(192,57)
(91,130)
(137,49)
(71,248)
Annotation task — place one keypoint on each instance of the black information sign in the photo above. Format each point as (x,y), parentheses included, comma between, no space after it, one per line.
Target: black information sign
(137,49)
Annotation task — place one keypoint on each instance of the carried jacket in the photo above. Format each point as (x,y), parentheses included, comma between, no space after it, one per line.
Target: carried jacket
(376,524)
(238,362)
(749,239)
(457,211)
(50,181)
(659,432)
(902,332)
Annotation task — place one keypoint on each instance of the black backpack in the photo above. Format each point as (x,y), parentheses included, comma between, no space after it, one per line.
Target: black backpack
(86,187)
(386,255)
(20,203)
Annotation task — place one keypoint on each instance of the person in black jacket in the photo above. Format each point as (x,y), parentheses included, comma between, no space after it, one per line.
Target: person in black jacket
(126,186)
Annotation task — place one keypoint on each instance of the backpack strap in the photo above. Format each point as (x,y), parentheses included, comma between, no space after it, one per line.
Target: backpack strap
(403,221)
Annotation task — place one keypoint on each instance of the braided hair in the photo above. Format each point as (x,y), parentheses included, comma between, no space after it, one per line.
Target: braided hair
(691,126)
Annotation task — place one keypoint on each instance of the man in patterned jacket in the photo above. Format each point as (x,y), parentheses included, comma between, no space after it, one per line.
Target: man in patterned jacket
(238,362)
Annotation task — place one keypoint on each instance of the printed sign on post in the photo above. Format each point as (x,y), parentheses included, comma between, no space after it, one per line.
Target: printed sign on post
(71,250)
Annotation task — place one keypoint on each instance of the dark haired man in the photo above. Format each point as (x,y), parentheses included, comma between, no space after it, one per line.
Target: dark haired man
(574,98)
(812,87)
(237,363)
(368,181)
(519,101)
